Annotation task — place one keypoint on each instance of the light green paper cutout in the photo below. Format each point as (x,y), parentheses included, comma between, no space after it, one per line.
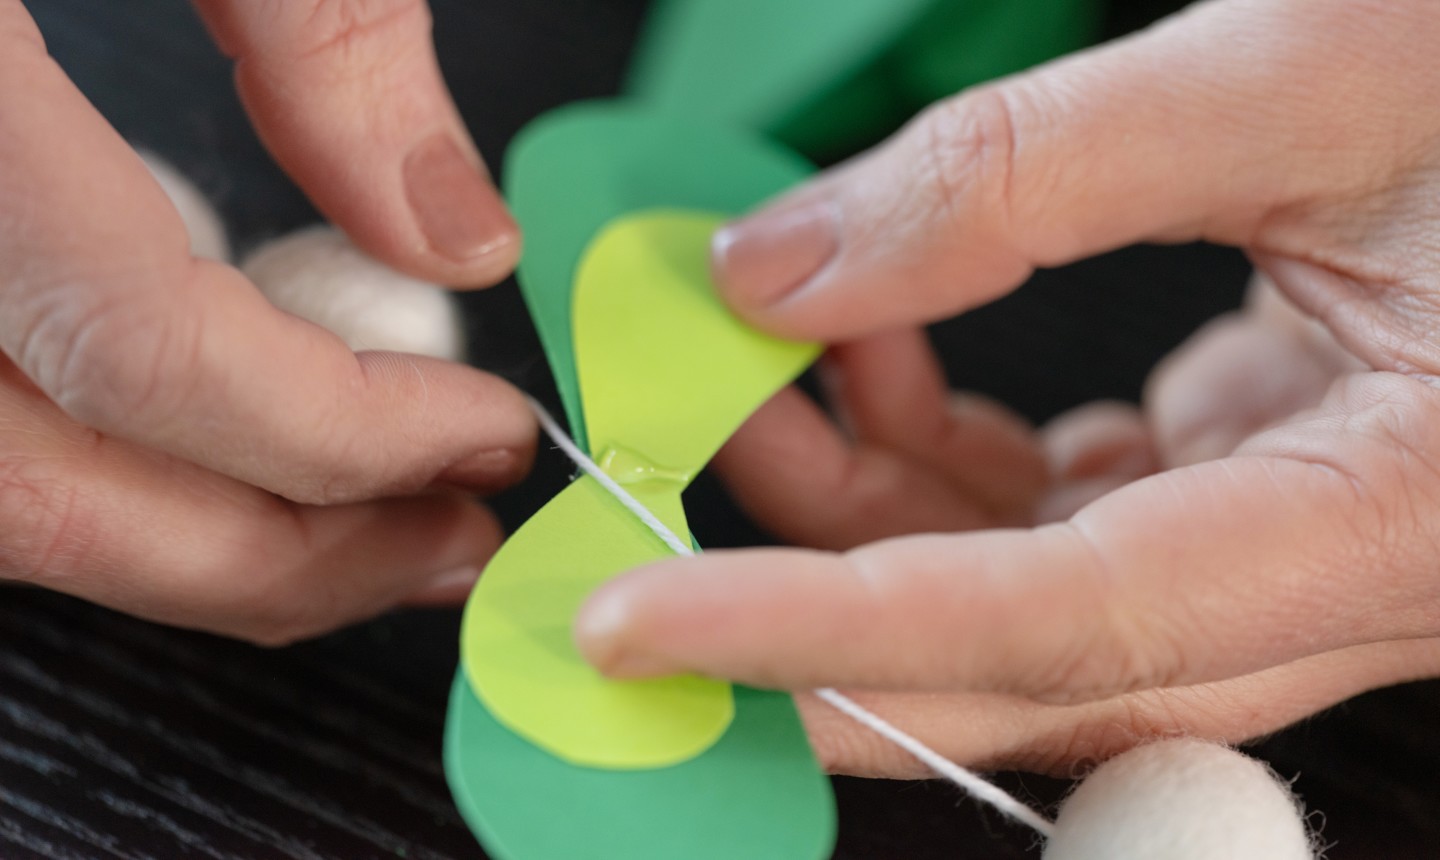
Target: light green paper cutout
(675,413)
(578,168)
(656,424)
(519,656)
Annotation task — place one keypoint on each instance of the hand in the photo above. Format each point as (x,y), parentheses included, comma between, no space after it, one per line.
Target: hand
(1286,557)
(173,446)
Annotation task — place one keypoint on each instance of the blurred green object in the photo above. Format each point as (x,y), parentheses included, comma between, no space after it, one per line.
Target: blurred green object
(828,77)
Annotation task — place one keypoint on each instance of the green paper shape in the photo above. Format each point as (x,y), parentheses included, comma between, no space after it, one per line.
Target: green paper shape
(958,44)
(757,794)
(578,168)
(518,653)
(829,76)
(757,64)
(668,374)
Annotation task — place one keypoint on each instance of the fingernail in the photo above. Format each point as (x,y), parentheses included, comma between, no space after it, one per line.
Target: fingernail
(462,215)
(452,586)
(487,470)
(600,635)
(761,259)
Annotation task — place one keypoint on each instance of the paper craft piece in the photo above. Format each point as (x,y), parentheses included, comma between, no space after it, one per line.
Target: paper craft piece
(576,169)
(757,792)
(667,374)
(828,76)
(518,653)
(756,795)
(760,64)
(960,43)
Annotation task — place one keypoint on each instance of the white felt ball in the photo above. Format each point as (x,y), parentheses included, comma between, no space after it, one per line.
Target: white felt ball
(1181,800)
(202,222)
(319,275)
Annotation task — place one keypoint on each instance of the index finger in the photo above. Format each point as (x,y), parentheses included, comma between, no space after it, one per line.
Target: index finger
(1309,544)
(108,313)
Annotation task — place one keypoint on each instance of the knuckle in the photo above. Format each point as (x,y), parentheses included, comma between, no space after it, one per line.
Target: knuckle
(1397,476)
(347,28)
(43,519)
(293,592)
(285,608)
(967,152)
(1075,749)
(1118,648)
(105,362)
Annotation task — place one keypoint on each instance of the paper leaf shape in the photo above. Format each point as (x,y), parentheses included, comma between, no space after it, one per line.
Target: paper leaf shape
(829,76)
(517,650)
(757,64)
(757,792)
(667,372)
(578,168)
(667,375)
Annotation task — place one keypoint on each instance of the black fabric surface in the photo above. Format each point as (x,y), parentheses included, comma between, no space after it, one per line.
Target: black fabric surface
(121,739)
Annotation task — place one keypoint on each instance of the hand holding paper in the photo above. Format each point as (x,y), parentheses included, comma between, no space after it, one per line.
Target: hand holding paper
(1290,568)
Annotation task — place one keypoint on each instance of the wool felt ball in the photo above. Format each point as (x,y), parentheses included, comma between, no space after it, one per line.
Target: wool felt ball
(1181,800)
(202,222)
(318,274)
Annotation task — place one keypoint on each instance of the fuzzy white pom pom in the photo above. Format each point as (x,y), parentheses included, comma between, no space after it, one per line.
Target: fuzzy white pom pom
(202,222)
(1181,800)
(319,275)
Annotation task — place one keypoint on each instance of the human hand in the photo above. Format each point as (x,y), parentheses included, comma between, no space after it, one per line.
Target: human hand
(172,445)
(1283,561)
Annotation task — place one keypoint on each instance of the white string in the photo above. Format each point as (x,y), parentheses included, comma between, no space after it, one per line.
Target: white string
(967,781)
(591,468)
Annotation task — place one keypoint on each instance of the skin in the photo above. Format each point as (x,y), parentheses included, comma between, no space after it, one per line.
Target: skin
(173,446)
(1258,542)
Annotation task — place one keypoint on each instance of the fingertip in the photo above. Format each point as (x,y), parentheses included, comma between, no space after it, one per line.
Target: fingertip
(610,630)
(464,221)
(738,614)
(446,588)
(770,256)
(350,99)
(491,470)
(1100,439)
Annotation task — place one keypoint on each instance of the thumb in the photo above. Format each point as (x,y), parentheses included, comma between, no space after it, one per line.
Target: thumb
(1196,128)
(349,98)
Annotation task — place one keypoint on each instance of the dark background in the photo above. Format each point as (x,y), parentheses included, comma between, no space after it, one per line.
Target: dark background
(128,740)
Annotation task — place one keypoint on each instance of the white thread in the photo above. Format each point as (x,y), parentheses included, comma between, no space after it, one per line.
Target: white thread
(966,780)
(591,468)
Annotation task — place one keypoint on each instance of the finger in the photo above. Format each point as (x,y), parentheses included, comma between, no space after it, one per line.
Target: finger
(918,459)
(349,98)
(994,732)
(1098,439)
(791,469)
(1191,129)
(1194,575)
(1236,376)
(112,318)
(1092,451)
(1265,301)
(166,540)
(892,392)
